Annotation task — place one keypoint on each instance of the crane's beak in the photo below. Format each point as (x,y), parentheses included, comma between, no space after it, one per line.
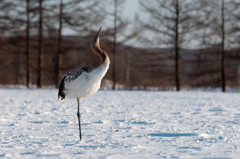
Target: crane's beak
(96,39)
(97,35)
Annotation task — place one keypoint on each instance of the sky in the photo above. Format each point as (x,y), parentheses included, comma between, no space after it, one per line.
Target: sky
(131,7)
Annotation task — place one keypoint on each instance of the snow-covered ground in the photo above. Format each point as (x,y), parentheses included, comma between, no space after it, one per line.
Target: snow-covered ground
(120,124)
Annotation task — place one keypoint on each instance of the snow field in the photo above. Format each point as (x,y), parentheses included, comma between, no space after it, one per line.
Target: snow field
(120,124)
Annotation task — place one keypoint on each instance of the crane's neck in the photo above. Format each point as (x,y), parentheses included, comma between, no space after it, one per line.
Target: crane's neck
(101,70)
(104,56)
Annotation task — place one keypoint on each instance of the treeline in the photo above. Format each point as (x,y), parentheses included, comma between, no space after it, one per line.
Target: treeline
(178,43)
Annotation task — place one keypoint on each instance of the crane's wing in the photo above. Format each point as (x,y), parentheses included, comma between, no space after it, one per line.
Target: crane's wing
(70,77)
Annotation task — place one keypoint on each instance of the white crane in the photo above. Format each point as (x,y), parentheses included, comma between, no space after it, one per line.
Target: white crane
(84,81)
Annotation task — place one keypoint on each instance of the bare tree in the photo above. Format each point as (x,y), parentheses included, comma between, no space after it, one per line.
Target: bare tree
(223,47)
(40,54)
(221,21)
(177,74)
(59,54)
(172,24)
(12,28)
(27,43)
(119,35)
(87,14)
(114,46)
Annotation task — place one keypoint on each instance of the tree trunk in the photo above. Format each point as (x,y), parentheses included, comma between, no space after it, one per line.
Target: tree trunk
(114,47)
(59,54)
(177,76)
(128,70)
(40,55)
(27,45)
(223,49)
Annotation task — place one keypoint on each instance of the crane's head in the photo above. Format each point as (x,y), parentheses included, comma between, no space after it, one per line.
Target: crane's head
(95,46)
(95,42)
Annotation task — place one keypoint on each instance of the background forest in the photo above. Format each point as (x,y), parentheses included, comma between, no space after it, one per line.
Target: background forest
(170,44)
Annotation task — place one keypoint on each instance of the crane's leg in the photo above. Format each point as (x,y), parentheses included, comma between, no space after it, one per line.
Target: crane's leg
(79,117)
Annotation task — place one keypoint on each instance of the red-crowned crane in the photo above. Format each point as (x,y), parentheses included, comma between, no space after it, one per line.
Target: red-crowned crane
(84,81)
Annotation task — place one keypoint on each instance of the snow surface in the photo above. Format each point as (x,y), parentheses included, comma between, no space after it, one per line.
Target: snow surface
(120,124)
